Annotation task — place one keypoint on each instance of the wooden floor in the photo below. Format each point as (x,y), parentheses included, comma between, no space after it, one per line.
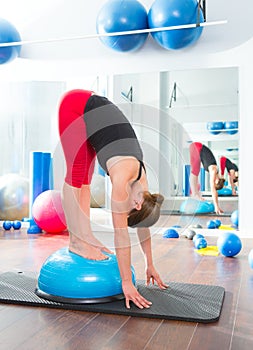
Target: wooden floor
(33,328)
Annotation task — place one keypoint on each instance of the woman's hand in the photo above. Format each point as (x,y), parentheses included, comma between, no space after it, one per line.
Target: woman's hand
(218,210)
(153,276)
(131,294)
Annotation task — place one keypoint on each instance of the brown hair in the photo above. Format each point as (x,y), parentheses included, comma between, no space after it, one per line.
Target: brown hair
(235,179)
(149,213)
(220,184)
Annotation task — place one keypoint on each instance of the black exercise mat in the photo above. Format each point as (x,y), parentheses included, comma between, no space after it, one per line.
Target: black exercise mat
(181,301)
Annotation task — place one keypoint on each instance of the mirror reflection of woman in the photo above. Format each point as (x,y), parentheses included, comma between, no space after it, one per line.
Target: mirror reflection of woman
(232,170)
(200,153)
(90,127)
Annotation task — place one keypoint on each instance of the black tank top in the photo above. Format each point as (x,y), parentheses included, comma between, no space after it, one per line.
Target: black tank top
(230,166)
(110,132)
(207,157)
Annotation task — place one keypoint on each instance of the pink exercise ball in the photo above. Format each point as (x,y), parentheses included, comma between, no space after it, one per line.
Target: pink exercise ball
(48,212)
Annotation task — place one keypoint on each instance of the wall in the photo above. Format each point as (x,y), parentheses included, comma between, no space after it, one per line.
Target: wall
(225,45)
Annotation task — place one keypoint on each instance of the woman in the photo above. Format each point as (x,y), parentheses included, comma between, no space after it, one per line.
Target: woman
(232,171)
(199,153)
(91,126)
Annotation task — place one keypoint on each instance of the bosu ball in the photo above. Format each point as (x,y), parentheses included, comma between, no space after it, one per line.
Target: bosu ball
(66,277)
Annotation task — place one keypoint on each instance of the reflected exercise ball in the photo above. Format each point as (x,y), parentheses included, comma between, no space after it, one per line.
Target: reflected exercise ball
(215,127)
(97,189)
(8,34)
(194,206)
(229,244)
(164,13)
(250,258)
(70,278)
(121,16)
(14,197)
(48,212)
(231,127)
(235,218)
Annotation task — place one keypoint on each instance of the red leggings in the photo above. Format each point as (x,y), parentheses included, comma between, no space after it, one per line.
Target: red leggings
(79,154)
(195,149)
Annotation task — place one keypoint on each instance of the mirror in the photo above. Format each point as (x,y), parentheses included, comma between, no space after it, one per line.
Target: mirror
(173,109)
(168,111)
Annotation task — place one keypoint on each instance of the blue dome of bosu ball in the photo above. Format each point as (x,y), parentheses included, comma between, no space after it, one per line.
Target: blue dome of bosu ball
(69,278)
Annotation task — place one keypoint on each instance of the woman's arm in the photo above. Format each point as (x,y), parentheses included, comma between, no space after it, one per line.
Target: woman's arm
(231,176)
(213,173)
(123,245)
(145,242)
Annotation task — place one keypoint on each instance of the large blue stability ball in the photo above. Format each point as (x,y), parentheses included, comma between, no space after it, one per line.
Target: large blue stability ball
(8,34)
(166,13)
(229,244)
(121,16)
(69,278)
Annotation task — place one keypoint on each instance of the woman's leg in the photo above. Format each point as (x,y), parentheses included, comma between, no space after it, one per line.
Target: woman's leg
(80,157)
(82,240)
(195,149)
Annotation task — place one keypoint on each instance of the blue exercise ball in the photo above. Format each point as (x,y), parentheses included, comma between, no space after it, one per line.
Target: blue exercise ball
(231,127)
(215,127)
(171,233)
(121,16)
(229,244)
(217,223)
(250,258)
(8,34)
(7,225)
(197,236)
(69,278)
(164,13)
(235,218)
(200,243)
(211,224)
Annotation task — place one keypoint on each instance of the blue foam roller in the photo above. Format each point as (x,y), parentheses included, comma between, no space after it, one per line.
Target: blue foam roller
(68,277)
(194,206)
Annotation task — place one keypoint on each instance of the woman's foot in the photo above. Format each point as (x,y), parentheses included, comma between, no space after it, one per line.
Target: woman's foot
(87,251)
(198,197)
(92,248)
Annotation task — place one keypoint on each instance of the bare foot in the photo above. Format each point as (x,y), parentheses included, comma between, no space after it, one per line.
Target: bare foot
(87,251)
(198,197)
(96,243)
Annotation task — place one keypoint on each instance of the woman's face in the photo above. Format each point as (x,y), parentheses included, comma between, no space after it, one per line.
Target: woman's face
(136,198)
